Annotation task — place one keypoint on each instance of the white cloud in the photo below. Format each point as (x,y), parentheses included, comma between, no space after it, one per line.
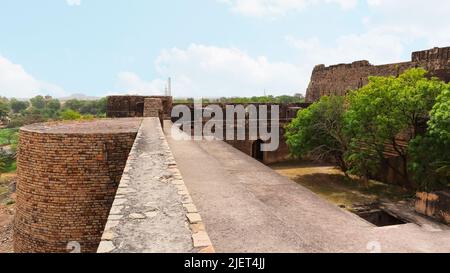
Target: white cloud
(392,29)
(133,84)
(215,71)
(418,20)
(16,82)
(259,8)
(73,2)
(211,71)
(381,45)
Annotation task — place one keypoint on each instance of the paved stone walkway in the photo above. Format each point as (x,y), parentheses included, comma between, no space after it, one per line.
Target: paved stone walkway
(153,211)
(247,207)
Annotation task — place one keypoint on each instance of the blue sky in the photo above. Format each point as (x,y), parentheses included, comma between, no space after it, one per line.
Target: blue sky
(210,48)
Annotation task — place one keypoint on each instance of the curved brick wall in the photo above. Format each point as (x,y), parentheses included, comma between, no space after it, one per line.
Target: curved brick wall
(68,174)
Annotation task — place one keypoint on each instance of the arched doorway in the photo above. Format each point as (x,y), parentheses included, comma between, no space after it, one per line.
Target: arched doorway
(140,109)
(257,152)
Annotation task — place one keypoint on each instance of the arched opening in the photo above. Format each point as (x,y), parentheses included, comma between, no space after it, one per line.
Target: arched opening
(257,152)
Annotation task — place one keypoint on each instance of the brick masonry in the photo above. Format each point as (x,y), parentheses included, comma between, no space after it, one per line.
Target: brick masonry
(341,78)
(68,175)
(435,205)
(133,106)
(153,107)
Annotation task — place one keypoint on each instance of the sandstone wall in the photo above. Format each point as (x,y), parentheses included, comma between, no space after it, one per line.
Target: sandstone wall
(153,107)
(341,78)
(133,106)
(67,179)
(435,205)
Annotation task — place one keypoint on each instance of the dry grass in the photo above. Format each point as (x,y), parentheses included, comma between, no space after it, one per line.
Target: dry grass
(331,184)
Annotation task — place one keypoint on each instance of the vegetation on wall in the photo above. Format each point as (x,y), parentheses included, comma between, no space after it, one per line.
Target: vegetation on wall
(357,129)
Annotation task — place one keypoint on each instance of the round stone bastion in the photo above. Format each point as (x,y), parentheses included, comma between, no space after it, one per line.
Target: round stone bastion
(67,177)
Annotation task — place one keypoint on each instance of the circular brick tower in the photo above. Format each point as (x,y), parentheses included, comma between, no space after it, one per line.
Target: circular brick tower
(68,174)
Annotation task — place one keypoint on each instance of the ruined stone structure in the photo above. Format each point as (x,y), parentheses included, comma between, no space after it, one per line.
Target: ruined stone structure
(68,174)
(134,106)
(131,106)
(435,205)
(253,147)
(341,78)
(153,107)
(73,185)
(114,186)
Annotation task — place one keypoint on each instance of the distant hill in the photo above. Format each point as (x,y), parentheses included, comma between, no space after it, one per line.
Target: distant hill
(78,97)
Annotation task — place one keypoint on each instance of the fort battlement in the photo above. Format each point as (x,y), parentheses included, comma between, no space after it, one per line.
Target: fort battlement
(341,78)
(68,175)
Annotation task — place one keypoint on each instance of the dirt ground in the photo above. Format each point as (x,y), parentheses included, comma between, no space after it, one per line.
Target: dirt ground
(6,227)
(7,210)
(331,183)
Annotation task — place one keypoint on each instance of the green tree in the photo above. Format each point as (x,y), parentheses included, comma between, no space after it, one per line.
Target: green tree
(4,108)
(69,114)
(317,132)
(73,104)
(8,136)
(38,102)
(381,111)
(430,156)
(18,106)
(101,106)
(53,105)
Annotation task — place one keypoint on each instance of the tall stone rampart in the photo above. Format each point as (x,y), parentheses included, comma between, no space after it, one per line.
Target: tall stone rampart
(340,79)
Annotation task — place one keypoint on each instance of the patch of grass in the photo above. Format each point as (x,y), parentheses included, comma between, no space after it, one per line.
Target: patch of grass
(3,189)
(12,168)
(332,185)
(8,136)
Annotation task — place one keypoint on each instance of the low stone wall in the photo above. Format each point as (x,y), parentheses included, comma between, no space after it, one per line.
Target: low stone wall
(67,177)
(435,205)
(153,211)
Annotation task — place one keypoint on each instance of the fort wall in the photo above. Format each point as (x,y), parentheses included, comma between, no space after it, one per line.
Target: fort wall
(133,106)
(340,79)
(68,174)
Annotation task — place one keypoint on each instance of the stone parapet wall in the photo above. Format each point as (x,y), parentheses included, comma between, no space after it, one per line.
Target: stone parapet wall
(341,78)
(68,174)
(153,211)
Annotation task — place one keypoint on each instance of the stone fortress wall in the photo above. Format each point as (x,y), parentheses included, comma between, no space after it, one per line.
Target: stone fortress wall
(134,106)
(341,78)
(68,174)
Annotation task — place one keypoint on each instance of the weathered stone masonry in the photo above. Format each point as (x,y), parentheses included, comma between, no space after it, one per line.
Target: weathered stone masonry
(73,178)
(68,174)
(134,106)
(341,78)
(153,210)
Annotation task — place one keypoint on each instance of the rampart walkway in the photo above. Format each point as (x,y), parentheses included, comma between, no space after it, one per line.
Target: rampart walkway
(153,211)
(247,207)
